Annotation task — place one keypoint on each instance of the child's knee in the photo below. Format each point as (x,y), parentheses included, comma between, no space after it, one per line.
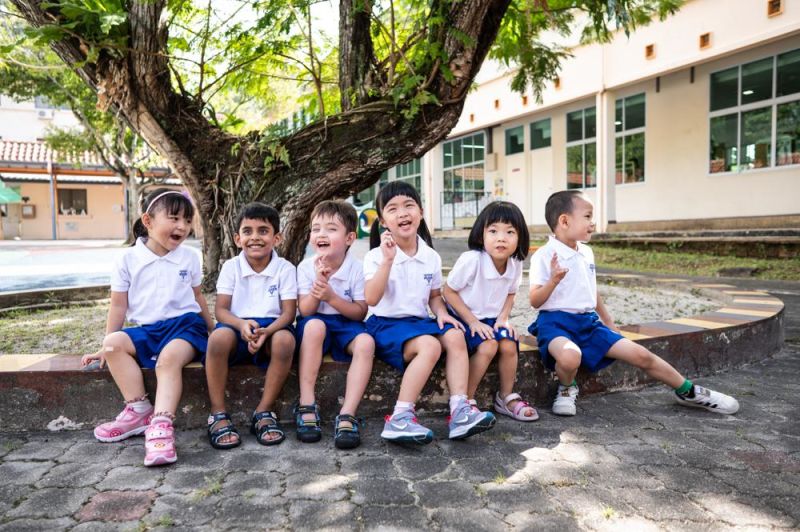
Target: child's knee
(508,348)
(488,348)
(115,344)
(643,358)
(430,348)
(282,343)
(568,359)
(314,330)
(363,345)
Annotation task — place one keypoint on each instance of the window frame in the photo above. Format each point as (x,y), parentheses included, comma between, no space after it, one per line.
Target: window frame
(507,134)
(549,139)
(626,133)
(71,192)
(458,141)
(771,103)
(584,141)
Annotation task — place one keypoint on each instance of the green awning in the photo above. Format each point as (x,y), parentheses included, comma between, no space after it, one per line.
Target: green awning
(8,195)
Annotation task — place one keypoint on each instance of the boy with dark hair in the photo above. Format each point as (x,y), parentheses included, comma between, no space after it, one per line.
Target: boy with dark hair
(255,308)
(575,329)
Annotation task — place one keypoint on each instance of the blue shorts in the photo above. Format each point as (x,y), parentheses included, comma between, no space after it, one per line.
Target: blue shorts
(391,333)
(474,341)
(241,355)
(150,340)
(587,331)
(339,332)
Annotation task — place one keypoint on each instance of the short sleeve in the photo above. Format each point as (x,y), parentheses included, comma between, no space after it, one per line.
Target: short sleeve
(464,271)
(226,282)
(514,288)
(197,272)
(305,277)
(357,283)
(120,276)
(436,282)
(540,267)
(372,262)
(288,281)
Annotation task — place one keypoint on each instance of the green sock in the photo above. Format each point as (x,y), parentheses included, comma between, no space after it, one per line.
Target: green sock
(573,383)
(685,388)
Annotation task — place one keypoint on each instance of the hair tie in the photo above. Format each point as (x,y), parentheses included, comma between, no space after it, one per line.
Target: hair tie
(147,210)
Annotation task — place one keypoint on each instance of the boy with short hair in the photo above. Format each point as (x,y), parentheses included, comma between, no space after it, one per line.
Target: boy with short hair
(255,308)
(332,308)
(574,328)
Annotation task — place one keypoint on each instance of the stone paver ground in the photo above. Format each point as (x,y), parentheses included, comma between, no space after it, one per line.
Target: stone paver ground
(629,460)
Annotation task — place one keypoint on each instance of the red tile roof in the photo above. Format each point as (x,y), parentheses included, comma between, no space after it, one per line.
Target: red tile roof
(38,152)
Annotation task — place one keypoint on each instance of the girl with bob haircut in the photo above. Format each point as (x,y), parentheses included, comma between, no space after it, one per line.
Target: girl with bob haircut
(480,289)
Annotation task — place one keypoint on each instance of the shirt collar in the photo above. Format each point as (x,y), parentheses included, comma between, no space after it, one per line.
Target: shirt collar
(490,271)
(270,271)
(562,250)
(422,252)
(147,256)
(344,269)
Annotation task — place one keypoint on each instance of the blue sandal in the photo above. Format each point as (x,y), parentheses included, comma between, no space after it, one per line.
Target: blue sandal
(307,431)
(347,437)
(216,434)
(266,423)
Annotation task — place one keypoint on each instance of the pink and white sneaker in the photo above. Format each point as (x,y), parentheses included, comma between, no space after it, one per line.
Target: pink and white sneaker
(159,443)
(128,423)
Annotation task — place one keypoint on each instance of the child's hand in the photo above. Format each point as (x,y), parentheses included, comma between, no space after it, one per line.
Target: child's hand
(557,272)
(481,329)
(322,268)
(248,330)
(444,317)
(388,246)
(503,323)
(321,290)
(257,342)
(89,358)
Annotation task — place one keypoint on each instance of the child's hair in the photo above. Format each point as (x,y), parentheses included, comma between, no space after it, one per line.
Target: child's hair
(259,211)
(501,212)
(557,204)
(166,199)
(338,209)
(385,195)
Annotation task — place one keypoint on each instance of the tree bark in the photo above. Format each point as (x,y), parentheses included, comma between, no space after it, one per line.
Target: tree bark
(328,159)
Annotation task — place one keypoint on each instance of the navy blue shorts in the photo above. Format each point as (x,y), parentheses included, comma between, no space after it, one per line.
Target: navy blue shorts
(150,340)
(391,334)
(339,332)
(586,330)
(474,341)
(242,355)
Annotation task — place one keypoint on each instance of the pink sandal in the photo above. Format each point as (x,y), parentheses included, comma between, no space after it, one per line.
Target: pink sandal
(159,443)
(501,407)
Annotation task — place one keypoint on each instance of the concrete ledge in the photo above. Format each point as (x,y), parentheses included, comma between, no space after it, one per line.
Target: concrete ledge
(51,297)
(51,391)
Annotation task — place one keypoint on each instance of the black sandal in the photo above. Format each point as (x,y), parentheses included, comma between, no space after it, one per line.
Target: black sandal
(216,434)
(270,425)
(347,437)
(307,431)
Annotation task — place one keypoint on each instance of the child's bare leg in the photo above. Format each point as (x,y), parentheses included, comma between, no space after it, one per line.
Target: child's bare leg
(120,356)
(220,345)
(169,374)
(421,354)
(479,363)
(457,367)
(642,358)
(362,349)
(281,353)
(568,358)
(310,362)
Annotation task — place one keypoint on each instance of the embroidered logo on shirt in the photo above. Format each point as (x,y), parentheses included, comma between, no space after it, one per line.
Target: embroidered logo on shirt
(272,289)
(428,277)
(591,267)
(348,293)
(184,274)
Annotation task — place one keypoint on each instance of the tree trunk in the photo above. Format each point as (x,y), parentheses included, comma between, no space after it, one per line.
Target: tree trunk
(131,184)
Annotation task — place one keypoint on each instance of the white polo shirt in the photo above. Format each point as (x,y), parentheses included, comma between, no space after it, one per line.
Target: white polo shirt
(577,291)
(158,288)
(411,280)
(257,294)
(483,289)
(347,282)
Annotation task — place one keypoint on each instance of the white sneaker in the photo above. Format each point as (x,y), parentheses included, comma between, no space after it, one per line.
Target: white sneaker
(710,400)
(564,405)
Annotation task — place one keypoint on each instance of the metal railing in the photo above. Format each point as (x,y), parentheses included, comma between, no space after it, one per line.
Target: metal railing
(459,209)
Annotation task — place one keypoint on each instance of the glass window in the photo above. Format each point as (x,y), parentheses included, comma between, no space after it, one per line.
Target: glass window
(590,123)
(724,142)
(515,142)
(724,88)
(633,171)
(788,139)
(629,149)
(590,171)
(634,111)
(540,134)
(575,166)
(788,73)
(757,81)
(574,126)
(618,116)
(72,201)
(756,141)
(457,159)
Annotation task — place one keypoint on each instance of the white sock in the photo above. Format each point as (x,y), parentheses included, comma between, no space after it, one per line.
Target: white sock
(140,407)
(455,400)
(402,406)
